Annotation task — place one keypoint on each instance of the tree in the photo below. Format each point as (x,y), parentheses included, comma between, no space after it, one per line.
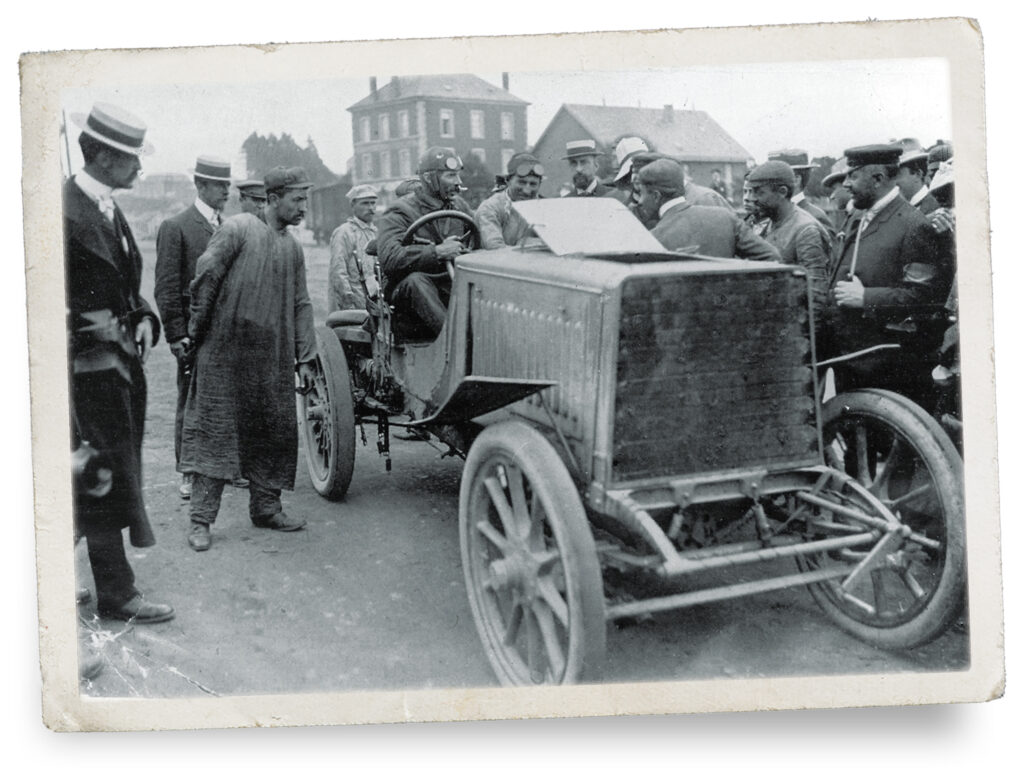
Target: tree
(478,180)
(264,153)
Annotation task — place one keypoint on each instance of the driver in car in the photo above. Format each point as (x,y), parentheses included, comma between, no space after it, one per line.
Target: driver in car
(415,278)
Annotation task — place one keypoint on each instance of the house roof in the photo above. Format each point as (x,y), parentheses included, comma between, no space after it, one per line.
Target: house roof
(690,135)
(456,86)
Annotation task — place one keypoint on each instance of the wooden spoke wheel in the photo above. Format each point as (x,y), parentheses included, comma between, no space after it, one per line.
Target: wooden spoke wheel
(911,589)
(327,420)
(529,559)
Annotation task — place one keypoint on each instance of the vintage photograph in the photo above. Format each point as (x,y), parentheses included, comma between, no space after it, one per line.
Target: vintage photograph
(406,387)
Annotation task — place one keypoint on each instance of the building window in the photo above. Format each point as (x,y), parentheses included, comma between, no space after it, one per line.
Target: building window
(508,126)
(404,163)
(480,154)
(403,123)
(476,124)
(367,166)
(384,126)
(385,164)
(364,128)
(447,123)
(506,156)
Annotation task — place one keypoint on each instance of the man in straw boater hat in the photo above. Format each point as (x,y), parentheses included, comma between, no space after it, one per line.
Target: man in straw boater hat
(252,323)
(111,330)
(581,156)
(910,179)
(800,164)
(889,275)
(179,243)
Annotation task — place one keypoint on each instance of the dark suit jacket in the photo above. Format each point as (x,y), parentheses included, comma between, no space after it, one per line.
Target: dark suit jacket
(713,231)
(179,243)
(599,190)
(820,215)
(927,205)
(108,386)
(902,271)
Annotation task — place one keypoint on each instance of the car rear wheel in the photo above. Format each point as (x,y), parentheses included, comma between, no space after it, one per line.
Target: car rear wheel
(327,420)
(913,588)
(530,564)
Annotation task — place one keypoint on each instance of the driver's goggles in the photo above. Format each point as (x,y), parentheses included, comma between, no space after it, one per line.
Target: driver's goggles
(452,163)
(527,168)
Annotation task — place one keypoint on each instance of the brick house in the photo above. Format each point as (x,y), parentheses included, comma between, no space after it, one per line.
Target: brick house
(394,125)
(692,137)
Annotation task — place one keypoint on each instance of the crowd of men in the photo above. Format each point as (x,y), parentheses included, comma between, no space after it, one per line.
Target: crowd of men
(235,309)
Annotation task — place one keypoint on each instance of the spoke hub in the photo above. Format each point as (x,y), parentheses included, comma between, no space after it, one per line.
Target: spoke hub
(519,570)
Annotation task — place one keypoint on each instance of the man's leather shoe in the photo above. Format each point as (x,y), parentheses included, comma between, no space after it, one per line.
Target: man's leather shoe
(199,538)
(280,522)
(138,610)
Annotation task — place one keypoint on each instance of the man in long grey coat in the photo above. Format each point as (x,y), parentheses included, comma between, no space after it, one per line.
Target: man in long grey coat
(252,323)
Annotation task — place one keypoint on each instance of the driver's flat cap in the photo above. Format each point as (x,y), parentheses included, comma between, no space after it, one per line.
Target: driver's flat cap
(281,178)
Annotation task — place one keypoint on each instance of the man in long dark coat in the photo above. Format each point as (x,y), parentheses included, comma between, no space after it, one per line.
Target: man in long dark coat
(179,243)
(111,330)
(252,324)
(890,279)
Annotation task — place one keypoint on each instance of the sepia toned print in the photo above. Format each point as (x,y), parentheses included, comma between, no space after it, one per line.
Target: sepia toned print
(692,425)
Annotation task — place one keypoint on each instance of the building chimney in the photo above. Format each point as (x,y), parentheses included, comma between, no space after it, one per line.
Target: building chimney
(504,81)
(373,86)
(396,85)
(667,114)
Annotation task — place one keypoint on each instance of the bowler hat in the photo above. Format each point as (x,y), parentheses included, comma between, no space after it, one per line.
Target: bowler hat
(797,159)
(252,188)
(280,178)
(361,192)
(580,149)
(773,172)
(211,168)
(114,127)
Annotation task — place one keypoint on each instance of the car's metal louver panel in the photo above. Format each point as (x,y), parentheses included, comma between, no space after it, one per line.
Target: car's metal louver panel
(525,339)
(714,373)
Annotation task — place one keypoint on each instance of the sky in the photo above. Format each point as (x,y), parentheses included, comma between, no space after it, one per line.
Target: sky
(822,107)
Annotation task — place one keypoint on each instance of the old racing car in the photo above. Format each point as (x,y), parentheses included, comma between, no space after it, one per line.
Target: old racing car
(628,412)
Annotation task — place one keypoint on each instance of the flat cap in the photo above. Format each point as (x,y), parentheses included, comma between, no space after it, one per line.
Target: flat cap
(663,175)
(865,155)
(773,172)
(280,178)
(361,192)
(252,188)
(941,152)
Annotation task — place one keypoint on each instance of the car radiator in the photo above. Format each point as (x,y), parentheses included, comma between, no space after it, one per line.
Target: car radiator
(715,373)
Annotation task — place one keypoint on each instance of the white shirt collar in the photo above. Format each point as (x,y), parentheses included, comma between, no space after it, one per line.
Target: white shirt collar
(590,188)
(798,197)
(669,204)
(878,205)
(92,187)
(206,211)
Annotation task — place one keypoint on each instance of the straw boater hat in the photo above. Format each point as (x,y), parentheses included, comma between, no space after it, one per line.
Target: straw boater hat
(212,168)
(580,149)
(838,173)
(912,155)
(114,127)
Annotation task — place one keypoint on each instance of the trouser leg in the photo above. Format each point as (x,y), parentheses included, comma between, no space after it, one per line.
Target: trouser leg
(425,297)
(115,580)
(264,500)
(205,502)
(179,413)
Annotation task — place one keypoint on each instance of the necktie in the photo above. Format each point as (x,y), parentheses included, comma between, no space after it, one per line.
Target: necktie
(106,205)
(216,220)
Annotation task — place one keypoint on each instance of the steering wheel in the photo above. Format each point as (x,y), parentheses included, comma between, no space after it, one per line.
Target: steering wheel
(470,239)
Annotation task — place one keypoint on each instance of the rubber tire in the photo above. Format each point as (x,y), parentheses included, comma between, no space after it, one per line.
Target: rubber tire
(331,476)
(931,444)
(515,444)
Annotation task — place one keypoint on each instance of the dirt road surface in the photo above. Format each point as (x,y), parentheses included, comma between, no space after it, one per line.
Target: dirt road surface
(371,596)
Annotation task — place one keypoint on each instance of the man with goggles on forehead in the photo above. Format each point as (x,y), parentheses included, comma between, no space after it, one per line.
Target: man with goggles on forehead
(416,281)
(499,224)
